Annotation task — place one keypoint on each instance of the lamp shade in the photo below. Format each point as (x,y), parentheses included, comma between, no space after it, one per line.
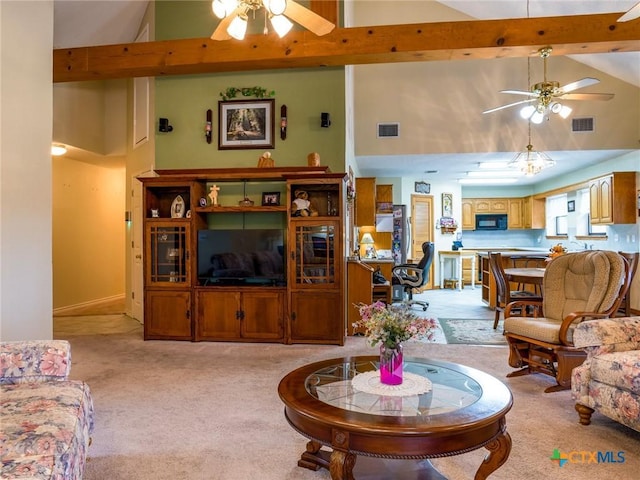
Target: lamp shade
(367,239)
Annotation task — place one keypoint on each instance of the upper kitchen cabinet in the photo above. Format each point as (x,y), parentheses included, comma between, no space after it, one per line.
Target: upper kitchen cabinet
(613,199)
(365,201)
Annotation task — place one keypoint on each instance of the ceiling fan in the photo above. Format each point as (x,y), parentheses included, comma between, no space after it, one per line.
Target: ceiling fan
(235,13)
(632,13)
(545,96)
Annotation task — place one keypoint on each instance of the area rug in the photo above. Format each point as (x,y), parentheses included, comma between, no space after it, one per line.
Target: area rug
(471,332)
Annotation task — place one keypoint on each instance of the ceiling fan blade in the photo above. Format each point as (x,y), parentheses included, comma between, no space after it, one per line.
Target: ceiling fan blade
(220,33)
(632,13)
(509,105)
(587,96)
(308,19)
(585,82)
(520,92)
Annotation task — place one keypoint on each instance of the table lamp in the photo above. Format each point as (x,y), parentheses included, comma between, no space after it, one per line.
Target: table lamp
(370,249)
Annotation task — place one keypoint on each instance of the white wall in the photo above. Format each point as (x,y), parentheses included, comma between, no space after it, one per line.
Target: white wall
(25,170)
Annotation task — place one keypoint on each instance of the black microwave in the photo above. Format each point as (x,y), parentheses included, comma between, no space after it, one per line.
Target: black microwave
(491,221)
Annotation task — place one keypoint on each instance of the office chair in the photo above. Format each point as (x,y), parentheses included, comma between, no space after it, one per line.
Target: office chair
(411,275)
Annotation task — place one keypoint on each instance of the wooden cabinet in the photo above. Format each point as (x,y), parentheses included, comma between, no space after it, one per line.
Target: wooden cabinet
(182,303)
(317,317)
(316,266)
(491,205)
(613,199)
(468,214)
(365,201)
(240,314)
(167,314)
(515,217)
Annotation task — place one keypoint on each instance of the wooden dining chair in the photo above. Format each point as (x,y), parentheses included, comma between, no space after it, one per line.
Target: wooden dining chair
(624,310)
(529,261)
(504,294)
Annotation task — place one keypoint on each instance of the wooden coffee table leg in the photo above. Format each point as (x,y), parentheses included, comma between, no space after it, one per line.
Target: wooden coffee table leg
(499,450)
(341,465)
(312,458)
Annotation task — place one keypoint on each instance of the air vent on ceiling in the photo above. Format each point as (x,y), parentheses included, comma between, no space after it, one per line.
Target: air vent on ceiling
(388,130)
(582,124)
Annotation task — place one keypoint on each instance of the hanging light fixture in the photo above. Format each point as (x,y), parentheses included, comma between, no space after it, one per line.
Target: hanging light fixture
(531,162)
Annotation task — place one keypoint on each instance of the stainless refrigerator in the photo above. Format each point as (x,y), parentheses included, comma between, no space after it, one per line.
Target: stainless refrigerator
(400,237)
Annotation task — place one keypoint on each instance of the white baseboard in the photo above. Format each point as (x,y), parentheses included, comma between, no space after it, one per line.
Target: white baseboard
(92,303)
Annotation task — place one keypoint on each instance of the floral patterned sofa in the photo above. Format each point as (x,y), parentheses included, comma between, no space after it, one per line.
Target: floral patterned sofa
(609,379)
(46,418)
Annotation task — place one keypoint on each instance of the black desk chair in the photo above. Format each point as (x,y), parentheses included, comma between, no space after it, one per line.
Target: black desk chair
(411,275)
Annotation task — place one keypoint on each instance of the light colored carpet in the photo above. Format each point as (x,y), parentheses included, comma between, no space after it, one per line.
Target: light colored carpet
(181,410)
(471,332)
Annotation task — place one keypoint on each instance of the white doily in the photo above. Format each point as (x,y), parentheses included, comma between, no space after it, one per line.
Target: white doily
(412,384)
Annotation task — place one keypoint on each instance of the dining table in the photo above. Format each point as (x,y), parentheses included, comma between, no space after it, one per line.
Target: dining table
(529,275)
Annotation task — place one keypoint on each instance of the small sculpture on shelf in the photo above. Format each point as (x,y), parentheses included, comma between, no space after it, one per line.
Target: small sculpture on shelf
(302,206)
(266,161)
(213,195)
(313,159)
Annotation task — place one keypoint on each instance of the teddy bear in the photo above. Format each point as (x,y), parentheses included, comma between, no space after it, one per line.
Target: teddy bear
(302,206)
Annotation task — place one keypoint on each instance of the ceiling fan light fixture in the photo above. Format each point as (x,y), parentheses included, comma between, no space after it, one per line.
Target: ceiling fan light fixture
(527,111)
(281,25)
(238,27)
(537,117)
(277,7)
(565,111)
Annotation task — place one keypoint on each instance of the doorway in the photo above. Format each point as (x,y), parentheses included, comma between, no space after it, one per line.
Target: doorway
(422,229)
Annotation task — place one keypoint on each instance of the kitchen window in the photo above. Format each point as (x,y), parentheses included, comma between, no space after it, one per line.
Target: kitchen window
(556,216)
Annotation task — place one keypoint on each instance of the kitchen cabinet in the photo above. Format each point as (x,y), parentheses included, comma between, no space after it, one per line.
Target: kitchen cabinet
(612,199)
(491,205)
(515,217)
(468,214)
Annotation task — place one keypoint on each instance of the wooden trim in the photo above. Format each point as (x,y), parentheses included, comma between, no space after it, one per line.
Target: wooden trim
(475,39)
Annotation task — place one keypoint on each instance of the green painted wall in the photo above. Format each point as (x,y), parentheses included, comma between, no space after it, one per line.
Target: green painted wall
(184,100)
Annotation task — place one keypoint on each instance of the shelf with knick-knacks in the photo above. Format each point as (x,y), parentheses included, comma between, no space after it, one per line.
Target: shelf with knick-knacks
(320,197)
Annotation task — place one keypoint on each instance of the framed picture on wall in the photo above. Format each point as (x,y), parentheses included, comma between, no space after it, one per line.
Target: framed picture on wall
(447,204)
(422,187)
(245,124)
(571,206)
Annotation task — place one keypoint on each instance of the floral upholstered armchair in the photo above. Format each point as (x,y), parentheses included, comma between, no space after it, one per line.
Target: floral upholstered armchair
(609,380)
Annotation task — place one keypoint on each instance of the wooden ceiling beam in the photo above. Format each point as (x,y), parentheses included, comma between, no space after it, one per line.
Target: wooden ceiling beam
(477,39)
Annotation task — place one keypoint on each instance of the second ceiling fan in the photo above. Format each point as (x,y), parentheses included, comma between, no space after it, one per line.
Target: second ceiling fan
(545,97)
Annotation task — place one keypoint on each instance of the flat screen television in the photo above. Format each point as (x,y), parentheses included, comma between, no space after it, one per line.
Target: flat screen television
(251,257)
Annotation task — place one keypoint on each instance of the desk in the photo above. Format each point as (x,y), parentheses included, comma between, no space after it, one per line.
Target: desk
(533,275)
(457,256)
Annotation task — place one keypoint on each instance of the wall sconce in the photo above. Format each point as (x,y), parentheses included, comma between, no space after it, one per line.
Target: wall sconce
(58,149)
(164,126)
(325,120)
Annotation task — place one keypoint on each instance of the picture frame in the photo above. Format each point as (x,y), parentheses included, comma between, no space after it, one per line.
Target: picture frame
(270,199)
(422,187)
(447,204)
(571,206)
(246,124)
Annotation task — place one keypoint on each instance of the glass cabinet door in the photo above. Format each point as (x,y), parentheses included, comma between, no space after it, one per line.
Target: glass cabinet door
(167,254)
(314,258)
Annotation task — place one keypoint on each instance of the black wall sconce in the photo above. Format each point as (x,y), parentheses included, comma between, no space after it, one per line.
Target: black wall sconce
(325,120)
(164,126)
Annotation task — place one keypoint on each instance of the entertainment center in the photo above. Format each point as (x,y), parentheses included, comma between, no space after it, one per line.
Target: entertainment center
(222,266)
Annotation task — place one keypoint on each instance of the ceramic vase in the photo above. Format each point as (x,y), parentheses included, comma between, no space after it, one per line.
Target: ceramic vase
(391,364)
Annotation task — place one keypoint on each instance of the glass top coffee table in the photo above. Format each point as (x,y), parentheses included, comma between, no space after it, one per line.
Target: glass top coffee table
(464,410)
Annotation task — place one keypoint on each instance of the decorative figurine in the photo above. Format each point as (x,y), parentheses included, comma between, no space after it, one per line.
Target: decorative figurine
(213,195)
(302,206)
(313,159)
(266,161)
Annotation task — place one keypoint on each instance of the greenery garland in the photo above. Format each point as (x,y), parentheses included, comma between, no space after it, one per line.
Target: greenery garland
(258,92)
